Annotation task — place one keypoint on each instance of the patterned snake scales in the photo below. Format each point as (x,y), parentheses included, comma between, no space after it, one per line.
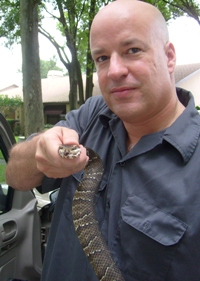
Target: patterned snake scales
(85,222)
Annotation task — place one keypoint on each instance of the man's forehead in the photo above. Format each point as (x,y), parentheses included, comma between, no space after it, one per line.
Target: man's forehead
(132,41)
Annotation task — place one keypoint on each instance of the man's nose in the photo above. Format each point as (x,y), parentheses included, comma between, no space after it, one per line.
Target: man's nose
(117,67)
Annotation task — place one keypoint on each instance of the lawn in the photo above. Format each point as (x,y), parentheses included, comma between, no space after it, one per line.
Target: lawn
(2,173)
(3,166)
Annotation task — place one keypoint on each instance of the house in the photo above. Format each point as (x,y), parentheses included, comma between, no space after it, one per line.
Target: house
(55,91)
(182,71)
(192,83)
(13,86)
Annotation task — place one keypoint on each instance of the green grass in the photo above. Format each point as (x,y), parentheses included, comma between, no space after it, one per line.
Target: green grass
(3,166)
(2,173)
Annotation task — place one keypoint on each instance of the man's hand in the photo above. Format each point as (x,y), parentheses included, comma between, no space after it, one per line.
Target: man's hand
(48,160)
(29,161)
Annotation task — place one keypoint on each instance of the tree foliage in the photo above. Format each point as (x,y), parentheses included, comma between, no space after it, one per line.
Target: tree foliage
(45,66)
(176,8)
(32,92)
(74,19)
(9,21)
(181,7)
(7,104)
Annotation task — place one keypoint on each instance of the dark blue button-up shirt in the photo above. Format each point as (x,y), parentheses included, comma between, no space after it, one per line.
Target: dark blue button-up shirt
(148,203)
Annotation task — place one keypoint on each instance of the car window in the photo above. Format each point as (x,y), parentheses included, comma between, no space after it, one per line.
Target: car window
(5,191)
(3,186)
(3,197)
(6,141)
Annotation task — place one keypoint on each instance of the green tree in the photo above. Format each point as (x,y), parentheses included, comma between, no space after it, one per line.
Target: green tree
(32,92)
(7,104)
(74,19)
(176,8)
(45,66)
(9,21)
(180,7)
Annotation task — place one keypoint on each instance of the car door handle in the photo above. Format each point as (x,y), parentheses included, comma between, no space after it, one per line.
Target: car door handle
(9,231)
(7,236)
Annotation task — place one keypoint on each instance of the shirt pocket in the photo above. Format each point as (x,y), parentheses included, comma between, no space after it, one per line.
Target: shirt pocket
(146,240)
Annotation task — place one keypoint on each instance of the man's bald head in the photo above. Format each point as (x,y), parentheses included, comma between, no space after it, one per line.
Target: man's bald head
(133,11)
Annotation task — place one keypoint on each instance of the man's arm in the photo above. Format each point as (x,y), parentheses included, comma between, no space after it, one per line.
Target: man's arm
(31,160)
(21,171)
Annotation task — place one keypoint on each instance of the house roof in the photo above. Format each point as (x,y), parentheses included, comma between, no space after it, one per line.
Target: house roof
(184,70)
(56,89)
(13,86)
(192,83)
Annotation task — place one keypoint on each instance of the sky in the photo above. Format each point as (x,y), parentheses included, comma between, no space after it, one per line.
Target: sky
(184,34)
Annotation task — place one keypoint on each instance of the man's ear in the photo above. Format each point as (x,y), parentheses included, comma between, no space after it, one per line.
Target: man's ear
(171,56)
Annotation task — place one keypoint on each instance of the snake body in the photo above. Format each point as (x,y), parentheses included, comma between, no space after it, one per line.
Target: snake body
(86,224)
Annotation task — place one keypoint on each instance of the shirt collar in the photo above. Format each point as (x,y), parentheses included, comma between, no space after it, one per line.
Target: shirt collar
(106,116)
(183,134)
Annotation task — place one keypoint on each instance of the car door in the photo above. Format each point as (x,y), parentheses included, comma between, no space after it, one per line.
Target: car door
(20,226)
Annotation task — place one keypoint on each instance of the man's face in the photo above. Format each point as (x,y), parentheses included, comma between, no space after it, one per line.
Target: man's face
(132,66)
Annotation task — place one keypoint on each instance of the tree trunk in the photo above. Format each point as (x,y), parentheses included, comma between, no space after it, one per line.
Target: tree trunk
(73,104)
(90,62)
(81,98)
(89,75)
(32,93)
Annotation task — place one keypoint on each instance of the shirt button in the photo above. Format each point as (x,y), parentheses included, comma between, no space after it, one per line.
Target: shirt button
(108,204)
(122,164)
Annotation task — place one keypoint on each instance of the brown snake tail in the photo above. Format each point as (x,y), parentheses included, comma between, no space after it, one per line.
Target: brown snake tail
(86,224)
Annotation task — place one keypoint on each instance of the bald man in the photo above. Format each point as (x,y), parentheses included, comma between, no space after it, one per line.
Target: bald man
(147,134)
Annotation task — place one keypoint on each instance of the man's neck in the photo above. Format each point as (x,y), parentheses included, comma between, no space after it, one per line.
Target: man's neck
(161,121)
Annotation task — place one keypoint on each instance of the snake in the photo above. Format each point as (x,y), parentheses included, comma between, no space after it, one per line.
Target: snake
(85,219)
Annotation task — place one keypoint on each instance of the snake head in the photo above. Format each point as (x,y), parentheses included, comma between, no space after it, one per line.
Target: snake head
(69,151)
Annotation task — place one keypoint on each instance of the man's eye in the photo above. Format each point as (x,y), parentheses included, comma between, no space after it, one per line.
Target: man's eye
(101,59)
(133,50)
